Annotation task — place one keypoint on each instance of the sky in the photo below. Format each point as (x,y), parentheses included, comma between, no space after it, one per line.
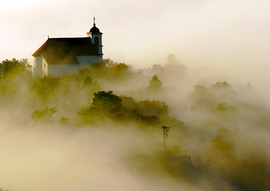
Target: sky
(228,35)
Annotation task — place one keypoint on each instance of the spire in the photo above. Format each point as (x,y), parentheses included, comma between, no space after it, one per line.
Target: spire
(94,29)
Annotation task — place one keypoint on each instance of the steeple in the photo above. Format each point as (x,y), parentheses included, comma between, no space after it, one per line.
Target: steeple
(94,29)
(96,36)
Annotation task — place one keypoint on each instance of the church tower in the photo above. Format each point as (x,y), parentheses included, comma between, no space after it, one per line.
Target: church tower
(96,37)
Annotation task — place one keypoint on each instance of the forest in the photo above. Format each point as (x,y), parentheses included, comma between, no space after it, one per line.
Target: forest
(102,129)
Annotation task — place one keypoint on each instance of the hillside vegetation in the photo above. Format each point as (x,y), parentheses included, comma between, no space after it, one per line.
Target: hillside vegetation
(219,131)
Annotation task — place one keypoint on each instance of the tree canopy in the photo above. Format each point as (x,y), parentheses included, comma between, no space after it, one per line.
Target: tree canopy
(14,67)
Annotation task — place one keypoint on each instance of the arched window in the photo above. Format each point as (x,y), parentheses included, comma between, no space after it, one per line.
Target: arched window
(96,41)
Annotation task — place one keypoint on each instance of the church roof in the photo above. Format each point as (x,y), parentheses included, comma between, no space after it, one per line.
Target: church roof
(95,30)
(65,50)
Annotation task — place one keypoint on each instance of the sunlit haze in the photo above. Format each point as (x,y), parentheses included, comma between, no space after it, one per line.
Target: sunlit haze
(198,67)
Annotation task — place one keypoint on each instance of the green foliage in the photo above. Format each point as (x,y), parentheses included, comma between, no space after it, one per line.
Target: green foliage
(123,108)
(87,81)
(220,85)
(201,98)
(15,76)
(155,84)
(98,70)
(148,112)
(90,85)
(100,65)
(64,121)
(106,101)
(219,96)
(44,115)
(223,91)
(105,104)
(14,67)
(107,70)
(222,106)
(209,134)
(45,87)
(249,173)
(149,120)
(152,108)
(119,69)
(200,90)
(247,91)
(8,89)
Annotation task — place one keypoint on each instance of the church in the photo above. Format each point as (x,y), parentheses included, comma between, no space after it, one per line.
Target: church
(64,56)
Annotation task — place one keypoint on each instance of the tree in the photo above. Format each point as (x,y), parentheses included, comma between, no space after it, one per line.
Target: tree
(44,115)
(200,89)
(45,87)
(106,101)
(87,81)
(221,106)
(152,108)
(14,67)
(223,91)
(91,85)
(174,70)
(171,59)
(15,78)
(119,69)
(105,104)
(155,84)
(221,85)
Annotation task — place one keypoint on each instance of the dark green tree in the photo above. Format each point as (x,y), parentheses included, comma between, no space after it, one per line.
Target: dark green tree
(106,101)
(105,104)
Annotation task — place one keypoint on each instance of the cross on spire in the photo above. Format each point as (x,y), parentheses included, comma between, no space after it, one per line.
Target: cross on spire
(94,19)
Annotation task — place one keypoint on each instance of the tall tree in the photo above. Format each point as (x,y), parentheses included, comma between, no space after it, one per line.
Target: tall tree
(155,84)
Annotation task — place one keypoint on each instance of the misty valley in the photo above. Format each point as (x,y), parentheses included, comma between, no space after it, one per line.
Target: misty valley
(114,127)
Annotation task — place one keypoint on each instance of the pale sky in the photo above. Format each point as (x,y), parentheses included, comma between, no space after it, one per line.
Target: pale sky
(229,35)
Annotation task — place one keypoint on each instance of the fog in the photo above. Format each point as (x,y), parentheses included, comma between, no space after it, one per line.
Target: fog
(219,132)
(55,158)
(218,138)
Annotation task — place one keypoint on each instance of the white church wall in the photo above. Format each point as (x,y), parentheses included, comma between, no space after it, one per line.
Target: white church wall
(37,64)
(44,66)
(86,61)
(61,70)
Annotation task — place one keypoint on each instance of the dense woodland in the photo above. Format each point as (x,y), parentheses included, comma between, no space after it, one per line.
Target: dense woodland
(218,130)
